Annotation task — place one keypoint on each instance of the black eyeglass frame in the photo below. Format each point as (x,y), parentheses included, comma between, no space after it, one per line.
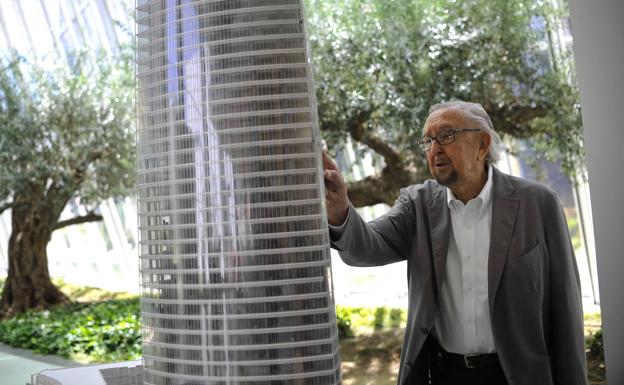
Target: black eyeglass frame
(443,138)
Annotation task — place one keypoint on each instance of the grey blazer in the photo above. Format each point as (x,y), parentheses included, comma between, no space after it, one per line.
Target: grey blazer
(533,282)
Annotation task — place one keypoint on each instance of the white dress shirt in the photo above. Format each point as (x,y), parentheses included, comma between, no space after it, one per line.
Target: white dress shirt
(464,324)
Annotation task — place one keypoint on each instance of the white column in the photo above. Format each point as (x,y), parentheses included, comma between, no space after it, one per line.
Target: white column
(598,34)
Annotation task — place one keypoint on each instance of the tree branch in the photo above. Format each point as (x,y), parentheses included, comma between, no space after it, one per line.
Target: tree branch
(397,173)
(368,191)
(513,118)
(90,217)
(6,206)
(357,130)
(383,187)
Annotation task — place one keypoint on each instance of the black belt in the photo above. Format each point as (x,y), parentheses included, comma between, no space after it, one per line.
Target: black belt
(461,361)
(466,361)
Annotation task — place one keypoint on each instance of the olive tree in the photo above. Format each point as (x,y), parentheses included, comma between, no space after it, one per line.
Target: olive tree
(380,64)
(66,135)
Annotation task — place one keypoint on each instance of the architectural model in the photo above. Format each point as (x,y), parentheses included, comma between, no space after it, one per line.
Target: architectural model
(234,251)
(234,248)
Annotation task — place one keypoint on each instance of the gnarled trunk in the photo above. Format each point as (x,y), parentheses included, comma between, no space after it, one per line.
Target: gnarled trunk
(28,284)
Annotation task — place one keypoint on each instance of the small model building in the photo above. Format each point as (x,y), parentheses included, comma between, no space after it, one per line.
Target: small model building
(234,248)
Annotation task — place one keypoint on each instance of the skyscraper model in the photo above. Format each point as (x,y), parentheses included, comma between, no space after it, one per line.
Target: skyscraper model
(235,264)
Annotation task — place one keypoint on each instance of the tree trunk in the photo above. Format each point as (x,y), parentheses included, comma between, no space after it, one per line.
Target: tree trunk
(28,284)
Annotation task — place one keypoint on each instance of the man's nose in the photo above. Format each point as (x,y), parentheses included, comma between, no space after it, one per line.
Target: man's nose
(435,147)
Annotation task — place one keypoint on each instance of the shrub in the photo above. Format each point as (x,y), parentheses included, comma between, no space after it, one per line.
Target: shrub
(344,325)
(594,344)
(353,320)
(96,332)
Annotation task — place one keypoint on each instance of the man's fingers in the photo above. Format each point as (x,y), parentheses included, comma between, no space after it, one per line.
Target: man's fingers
(331,174)
(337,202)
(328,163)
(332,178)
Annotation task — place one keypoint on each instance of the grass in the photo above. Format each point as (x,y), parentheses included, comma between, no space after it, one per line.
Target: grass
(89,294)
(371,358)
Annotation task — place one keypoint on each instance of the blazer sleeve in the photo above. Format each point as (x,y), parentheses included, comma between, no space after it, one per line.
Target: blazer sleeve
(568,345)
(384,240)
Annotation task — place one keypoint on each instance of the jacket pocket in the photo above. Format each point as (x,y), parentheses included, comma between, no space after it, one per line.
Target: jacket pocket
(527,268)
(529,260)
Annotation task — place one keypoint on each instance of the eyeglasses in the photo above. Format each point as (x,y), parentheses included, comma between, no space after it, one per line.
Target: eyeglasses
(443,138)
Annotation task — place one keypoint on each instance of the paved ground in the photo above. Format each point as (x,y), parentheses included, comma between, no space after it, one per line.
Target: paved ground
(17,365)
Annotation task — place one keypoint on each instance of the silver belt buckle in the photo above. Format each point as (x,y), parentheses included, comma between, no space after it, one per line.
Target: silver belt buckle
(468,362)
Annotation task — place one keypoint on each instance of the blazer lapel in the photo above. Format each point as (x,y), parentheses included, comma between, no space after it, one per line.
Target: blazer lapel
(440,225)
(504,210)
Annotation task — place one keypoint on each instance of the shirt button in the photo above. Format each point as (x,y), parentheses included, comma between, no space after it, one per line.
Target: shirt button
(424,330)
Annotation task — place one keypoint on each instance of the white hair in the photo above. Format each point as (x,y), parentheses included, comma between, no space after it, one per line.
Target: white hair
(477,115)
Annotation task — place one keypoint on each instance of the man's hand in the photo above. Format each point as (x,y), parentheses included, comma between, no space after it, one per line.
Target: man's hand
(336,199)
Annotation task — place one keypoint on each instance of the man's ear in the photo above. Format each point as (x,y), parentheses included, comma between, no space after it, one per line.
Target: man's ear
(484,146)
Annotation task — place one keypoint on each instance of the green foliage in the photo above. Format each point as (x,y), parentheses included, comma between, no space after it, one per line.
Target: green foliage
(98,332)
(592,318)
(594,344)
(354,320)
(344,323)
(575,234)
(67,130)
(388,61)
(595,358)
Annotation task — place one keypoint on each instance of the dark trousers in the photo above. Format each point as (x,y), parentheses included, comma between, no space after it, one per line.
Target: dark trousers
(445,370)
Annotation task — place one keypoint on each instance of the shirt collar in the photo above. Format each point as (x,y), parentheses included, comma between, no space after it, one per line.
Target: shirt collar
(484,196)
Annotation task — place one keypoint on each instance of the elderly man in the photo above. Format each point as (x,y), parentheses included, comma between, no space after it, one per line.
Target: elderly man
(494,293)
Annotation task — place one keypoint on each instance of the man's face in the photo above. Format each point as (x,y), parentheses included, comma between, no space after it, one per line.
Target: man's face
(459,162)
